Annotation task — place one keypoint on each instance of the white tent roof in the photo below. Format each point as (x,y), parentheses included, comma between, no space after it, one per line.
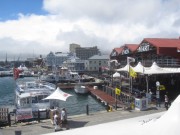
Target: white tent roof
(58,95)
(116,74)
(139,68)
(155,69)
(126,68)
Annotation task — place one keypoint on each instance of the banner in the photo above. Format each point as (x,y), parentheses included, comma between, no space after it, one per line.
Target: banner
(162,87)
(132,73)
(24,114)
(117,91)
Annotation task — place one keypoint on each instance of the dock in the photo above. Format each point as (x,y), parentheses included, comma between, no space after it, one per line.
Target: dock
(105,98)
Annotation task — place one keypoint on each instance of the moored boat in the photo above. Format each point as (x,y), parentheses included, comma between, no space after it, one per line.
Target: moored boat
(80,89)
(29,97)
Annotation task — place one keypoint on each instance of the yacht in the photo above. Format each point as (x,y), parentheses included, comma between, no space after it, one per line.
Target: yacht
(28,99)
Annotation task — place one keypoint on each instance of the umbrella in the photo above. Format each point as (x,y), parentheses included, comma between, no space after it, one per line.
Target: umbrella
(58,94)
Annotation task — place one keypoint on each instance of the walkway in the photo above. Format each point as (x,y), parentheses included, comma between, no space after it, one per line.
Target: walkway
(105,98)
(45,126)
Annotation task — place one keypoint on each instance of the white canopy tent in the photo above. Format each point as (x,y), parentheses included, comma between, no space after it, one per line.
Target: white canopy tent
(154,69)
(126,68)
(58,95)
(115,75)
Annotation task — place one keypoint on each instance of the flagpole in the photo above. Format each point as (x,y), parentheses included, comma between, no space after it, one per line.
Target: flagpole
(130,59)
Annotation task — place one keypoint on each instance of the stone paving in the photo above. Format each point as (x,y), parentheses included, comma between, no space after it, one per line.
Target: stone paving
(45,126)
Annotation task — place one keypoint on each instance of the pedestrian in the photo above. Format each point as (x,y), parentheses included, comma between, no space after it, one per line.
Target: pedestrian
(56,120)
(64,121)
(166,101)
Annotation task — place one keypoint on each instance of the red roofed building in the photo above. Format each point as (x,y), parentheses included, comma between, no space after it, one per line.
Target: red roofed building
(165,52)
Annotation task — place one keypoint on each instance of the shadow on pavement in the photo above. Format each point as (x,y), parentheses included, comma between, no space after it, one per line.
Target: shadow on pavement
(76,124)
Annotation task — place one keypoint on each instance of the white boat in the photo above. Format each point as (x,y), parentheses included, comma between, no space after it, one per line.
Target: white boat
(80,89)
(52,78)
(29,97)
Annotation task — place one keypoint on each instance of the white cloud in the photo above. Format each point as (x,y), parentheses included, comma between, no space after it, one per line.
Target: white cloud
(89,23)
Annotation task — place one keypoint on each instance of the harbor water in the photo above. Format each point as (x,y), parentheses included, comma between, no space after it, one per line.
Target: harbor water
(75,104)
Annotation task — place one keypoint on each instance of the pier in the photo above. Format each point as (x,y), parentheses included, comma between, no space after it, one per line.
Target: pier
(105,98)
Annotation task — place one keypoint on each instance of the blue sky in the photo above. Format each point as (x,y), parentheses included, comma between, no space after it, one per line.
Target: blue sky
(9,9)
(29,27)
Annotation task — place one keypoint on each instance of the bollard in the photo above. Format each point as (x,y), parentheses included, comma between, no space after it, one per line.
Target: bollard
(87,109)
(38,116)
(9,119)
(18,132)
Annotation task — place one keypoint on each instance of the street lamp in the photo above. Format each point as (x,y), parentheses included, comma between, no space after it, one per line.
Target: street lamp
(157,93)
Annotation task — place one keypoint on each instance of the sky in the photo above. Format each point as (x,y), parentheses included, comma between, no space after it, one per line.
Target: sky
(29,28)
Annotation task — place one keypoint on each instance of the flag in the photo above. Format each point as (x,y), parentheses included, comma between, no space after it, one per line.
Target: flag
(117,91)
(162,87)
(130,59)
(16,73)
(132,73)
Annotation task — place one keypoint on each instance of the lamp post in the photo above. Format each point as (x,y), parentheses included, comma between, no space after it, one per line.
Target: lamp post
(158,93)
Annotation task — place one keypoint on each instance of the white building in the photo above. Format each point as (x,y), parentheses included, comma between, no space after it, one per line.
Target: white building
(56,59)
(97,62)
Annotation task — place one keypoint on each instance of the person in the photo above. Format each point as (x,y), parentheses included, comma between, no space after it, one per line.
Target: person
(166,101)
(64,121)
(56,120)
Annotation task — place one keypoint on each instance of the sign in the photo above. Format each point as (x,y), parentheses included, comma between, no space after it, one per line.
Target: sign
(24,114)
(117,91)
(144,47)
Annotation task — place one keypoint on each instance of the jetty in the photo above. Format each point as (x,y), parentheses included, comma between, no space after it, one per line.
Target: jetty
(105,97)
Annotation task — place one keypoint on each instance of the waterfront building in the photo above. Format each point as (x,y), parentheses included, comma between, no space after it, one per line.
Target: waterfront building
(56,59)
(73,63)
(72,47)
(97,62)
(84,53)
(165,52)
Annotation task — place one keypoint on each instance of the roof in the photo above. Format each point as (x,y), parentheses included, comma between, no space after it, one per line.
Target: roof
(118,50)
(163,42)
(99,57)
(132,47)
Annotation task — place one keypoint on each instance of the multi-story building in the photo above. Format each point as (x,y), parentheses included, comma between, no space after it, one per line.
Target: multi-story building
(73,63)
(98,62)
(165,52)
(72,47)
(84,53)
(56,59)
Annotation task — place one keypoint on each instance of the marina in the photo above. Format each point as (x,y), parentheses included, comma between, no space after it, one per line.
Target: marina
(75,105)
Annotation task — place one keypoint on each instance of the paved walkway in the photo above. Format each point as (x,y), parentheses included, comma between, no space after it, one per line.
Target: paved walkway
(77,121)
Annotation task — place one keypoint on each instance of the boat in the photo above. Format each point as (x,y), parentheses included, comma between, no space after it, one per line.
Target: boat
(28,98)
(51,78)
(79,88)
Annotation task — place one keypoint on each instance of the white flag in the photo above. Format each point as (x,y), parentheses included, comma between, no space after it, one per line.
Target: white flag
(130,59)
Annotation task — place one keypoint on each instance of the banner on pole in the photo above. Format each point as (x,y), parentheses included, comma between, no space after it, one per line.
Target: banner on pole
(118,91)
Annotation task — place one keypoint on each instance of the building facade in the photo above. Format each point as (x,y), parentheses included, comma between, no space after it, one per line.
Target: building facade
(73,63)
(165,52)
(84,53)
(97,62)
(72,47)
(56,59)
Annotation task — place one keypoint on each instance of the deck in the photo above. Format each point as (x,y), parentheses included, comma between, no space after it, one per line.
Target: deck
(105,98)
